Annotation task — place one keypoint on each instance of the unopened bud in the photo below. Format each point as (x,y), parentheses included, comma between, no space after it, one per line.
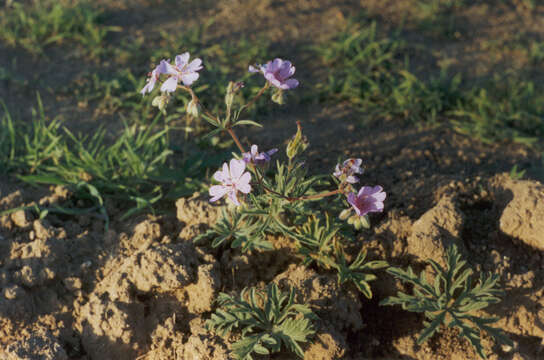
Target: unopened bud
(161,101)
(344,214)
(359,222)
(193,108)
(365,222)
(297,144)
(278,97)
(229,97)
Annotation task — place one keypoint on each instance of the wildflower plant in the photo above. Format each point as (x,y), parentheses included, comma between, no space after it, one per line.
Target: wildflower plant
(453,299)
(266,319)
(271,194)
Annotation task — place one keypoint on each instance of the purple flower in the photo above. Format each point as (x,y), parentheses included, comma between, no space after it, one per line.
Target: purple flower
(153,77)
(232,179)
(349,168)
(182,71)
(258,158)
(277,72)
(369,199)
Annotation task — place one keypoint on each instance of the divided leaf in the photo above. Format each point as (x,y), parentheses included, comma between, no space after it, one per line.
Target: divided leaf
(452,300)
(266,320)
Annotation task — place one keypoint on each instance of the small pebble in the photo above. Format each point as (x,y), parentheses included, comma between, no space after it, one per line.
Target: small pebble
(13,292)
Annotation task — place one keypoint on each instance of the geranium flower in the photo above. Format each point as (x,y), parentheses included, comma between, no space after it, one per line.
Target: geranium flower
(349,168)
(233,179)
(278,73)
(183,71)
(258,158)
(369,199)
(153,77)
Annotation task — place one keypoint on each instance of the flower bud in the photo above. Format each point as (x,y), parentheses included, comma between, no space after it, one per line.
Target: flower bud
(229,97)
(161,101)
(344,214)
(359,222)
(297,144)
(278,97)
(193,108)
(365,222)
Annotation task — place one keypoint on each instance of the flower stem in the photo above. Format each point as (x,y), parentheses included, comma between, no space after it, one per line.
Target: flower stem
(235,138)
(252,101)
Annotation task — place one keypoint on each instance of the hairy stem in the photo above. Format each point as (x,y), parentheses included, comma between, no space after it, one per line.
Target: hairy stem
(252,101)
(236,140)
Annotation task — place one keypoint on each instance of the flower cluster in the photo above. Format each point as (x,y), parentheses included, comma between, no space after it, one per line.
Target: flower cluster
(348,169)
(367,199)
(278,205)
(233,177)
(182,70)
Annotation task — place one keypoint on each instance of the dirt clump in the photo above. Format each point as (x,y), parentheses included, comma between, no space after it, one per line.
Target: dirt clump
(335,305)
(523,214)
(145,289)
(202,344)
(327,344)
(196,215)
(42,344)
(439,228)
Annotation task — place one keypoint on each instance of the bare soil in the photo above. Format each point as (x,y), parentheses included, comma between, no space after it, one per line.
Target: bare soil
(144,289)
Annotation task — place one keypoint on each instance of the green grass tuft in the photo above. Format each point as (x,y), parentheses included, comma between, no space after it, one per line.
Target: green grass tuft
(137,168)
(37,24)
(366,71)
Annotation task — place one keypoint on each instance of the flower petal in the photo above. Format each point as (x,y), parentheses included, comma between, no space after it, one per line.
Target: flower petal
(219,176)
(254,149)
(291,83)
(194,65)
(148,87)
(379,196)
(275,65)
(246,157)
(189,78)
(217,192)
(352,179)
(352,200)
(285,70)
(167,68)
(182,60)
(243,183)
(170,85)
(365,191)
(233,198)
(237,167)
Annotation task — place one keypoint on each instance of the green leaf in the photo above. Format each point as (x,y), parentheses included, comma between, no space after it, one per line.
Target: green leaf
(247,122)
(431,328)
(266,320)
(452,293)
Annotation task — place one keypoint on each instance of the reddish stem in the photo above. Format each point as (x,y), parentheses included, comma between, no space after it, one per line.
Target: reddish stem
(263,89)
(235,138)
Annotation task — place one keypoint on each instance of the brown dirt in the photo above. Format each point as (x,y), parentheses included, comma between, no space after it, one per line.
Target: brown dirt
(144,289)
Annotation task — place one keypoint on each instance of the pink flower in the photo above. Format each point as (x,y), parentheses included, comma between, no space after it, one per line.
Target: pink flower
(348,169)
(278,73)
(232,179)
(153,77)
(256,157)
(369,199)
(182,71)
